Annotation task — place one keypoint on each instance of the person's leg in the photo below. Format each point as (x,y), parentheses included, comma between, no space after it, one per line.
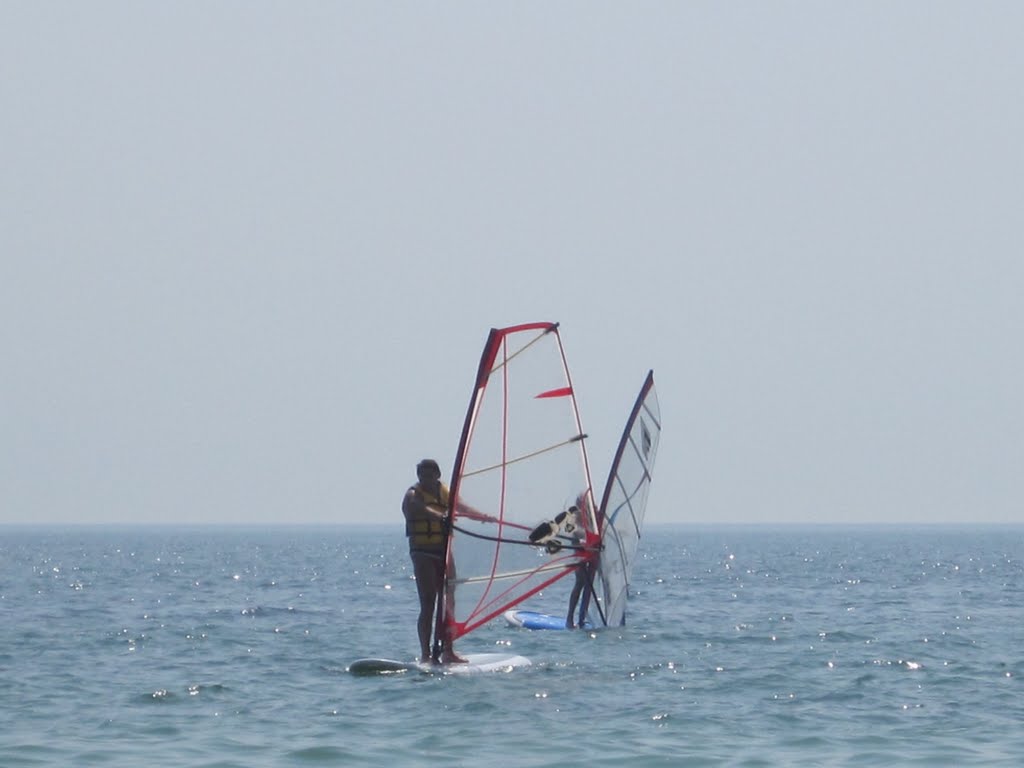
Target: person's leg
(425,568)
(448,654)
(574,597)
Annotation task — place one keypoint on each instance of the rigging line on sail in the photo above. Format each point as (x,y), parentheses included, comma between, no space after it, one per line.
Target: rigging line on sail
(515,574)
(520,351)
(503,540)
(628,497)
(654,417)
(524,457)
(627,503)
(494,520)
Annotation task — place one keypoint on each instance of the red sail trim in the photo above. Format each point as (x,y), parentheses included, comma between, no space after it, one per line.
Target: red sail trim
(560,392)
(484,370)
(494,342)
(459,629)
(444,625)
(529,327)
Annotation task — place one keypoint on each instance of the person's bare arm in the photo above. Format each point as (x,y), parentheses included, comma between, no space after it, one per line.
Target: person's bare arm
(472,513)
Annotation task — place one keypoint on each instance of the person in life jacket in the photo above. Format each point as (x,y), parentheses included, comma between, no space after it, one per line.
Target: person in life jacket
(425,506)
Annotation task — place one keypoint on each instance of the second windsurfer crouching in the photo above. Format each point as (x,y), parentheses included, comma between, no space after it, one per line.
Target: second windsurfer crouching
(425,507)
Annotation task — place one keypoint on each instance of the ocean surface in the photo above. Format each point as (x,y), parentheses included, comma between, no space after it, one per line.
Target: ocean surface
(764,646)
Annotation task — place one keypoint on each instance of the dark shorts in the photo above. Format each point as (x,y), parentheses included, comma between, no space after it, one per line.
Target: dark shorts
(417,554)
(424,557)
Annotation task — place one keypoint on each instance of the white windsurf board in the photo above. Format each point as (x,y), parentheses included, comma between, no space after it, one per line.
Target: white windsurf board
(476,663)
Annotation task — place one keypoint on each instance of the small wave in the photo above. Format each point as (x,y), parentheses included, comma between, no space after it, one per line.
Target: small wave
(168,695)
(326,755)
(16,755)
(159,695)
(271,610)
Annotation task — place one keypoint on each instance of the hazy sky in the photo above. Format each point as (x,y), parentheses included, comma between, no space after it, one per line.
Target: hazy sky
(250,251)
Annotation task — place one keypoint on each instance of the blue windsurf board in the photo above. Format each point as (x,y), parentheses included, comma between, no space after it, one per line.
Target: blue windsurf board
(535,620)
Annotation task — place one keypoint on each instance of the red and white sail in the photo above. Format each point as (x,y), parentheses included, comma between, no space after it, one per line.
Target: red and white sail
(521,461)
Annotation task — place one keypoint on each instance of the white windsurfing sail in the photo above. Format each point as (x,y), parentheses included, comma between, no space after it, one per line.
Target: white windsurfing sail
(621,514)
(521,456)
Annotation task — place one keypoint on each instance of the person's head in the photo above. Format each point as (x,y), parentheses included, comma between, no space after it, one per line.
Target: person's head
(428,470)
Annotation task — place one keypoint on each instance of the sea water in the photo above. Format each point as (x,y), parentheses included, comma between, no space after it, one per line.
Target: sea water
(845,646)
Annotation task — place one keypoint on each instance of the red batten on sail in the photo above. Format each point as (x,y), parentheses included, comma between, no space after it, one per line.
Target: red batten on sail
(563,392)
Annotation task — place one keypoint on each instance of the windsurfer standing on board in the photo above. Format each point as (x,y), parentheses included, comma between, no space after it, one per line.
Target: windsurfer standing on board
(581,570)
(425,506)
